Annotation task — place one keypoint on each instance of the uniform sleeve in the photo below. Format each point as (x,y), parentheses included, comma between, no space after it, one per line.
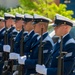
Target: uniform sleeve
(30,63)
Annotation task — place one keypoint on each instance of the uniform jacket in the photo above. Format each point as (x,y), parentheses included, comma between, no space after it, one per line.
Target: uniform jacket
(17,41)
(68,46)
(30,63)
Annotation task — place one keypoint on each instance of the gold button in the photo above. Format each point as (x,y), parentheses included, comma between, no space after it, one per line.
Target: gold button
(30,50)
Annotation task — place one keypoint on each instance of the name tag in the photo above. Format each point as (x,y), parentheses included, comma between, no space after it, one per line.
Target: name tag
(68,54)
(1,54)
(45,51)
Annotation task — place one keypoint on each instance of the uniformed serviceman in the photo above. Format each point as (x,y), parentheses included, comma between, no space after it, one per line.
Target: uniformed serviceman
(28,40)
(10,24)
(2,25)
(62,27)
(7,17)
(19,24)
(39,22)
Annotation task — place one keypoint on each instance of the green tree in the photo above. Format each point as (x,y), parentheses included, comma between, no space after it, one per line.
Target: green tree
(46,7)
(42,7)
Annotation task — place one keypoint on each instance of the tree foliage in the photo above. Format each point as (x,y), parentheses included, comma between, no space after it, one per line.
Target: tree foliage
(46,7)
(42,7)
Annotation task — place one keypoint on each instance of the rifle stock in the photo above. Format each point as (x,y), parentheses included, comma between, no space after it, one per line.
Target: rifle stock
(11,62)
(40,51)
(60,70)
(21,67)
(5,54)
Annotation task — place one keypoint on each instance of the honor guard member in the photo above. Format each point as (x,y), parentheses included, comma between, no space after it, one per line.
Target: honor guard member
(19,24)
(62,27)
(31,36)
(27,39)
(7,18)
(10,24)
(2,28)
(2,25)
(38,22)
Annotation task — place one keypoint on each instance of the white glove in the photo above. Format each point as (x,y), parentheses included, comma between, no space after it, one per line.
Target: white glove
(21,60)
(14,56)
(15,73)
(6,48)
(41,69)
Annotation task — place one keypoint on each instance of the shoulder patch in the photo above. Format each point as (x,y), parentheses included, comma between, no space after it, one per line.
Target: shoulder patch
(70,41)
(45,51)
(69,54)
(48,39)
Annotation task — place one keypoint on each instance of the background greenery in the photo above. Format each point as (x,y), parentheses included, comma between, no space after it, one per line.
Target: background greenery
(42,7)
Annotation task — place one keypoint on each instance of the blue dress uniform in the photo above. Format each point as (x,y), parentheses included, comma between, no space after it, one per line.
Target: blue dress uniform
(18,37)
(48,46)
(10,29)
(6,16)
(1,37)
(17,41)
(28,41)
(1,29)
(1,33)
(12,34)
(30,63)
(68,46)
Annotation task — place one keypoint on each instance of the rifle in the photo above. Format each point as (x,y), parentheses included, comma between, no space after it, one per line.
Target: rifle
(60,70)
(21,67)
(5,54)
(40,51)
(12,48)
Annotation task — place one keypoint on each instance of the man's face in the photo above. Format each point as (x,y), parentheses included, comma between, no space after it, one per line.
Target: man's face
(37,27)
(59,30)
(28,26)
(2,24)
(19,24)
(9,22)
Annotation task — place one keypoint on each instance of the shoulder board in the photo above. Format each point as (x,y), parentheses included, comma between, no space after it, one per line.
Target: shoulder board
(70,41)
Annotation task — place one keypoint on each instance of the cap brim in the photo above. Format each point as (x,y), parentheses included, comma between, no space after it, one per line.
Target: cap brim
(34,23)
(54,25)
